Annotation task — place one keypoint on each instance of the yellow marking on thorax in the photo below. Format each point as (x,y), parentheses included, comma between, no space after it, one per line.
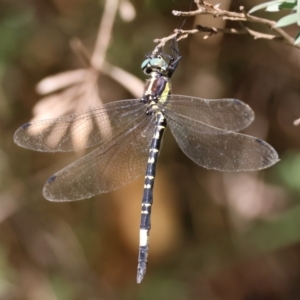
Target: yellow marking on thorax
(165,93)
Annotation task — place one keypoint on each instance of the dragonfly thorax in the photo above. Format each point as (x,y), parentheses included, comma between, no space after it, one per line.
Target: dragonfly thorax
(156,89)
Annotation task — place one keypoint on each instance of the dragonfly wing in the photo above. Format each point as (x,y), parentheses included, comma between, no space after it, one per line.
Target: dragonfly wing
(217,149)
(227,114)
(115,163)
(79,130)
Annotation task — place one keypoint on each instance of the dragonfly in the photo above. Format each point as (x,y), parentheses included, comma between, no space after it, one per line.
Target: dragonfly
(128,136)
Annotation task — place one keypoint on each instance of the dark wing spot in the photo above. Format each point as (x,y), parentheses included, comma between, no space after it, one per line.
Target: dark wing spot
(270,156)
(237,102)
(261,142)
(26,125)
(51,179)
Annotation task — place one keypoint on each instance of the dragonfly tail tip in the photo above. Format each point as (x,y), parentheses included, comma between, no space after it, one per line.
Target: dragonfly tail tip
(140,276)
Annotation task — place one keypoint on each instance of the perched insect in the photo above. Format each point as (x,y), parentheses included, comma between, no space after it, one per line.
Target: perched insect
(129,133)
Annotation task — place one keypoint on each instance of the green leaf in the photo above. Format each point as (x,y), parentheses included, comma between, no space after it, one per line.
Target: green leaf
(288,5)
(264,5)
(287,20)
(298,13)
(288,172)
(297,38)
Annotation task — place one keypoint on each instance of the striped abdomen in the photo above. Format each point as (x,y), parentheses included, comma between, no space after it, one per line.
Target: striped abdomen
(147,200)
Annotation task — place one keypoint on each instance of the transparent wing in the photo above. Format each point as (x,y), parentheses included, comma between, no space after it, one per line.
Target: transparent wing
(217,149)
(227,114)
(79,130)
(115,163)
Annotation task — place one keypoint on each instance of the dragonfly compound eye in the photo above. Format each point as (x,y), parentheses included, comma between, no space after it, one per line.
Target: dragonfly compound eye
(146,66)
(154,64)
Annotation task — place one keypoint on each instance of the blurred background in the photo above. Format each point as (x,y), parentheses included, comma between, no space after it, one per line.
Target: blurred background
(215,236)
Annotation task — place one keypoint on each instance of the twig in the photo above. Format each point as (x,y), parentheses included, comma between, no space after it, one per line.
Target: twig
(205,8)
(104,33)
(256,35)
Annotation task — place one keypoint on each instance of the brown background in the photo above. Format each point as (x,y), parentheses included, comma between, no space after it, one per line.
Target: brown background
(215,236)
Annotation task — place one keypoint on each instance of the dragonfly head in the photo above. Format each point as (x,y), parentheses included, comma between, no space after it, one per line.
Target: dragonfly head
(155,64)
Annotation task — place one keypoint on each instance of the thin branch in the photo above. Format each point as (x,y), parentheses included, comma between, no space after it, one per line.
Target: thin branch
(256,34)
(205,8)
(104,33)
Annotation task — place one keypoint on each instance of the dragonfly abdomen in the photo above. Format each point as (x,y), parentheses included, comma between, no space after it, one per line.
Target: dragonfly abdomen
(147,200)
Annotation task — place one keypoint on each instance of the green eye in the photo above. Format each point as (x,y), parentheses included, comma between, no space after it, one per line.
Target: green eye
(154,64)
(145,63)
(158,63)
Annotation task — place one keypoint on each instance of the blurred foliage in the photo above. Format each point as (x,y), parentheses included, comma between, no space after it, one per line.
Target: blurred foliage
(291,6)
(288,171)
(16,23)
(215,236)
